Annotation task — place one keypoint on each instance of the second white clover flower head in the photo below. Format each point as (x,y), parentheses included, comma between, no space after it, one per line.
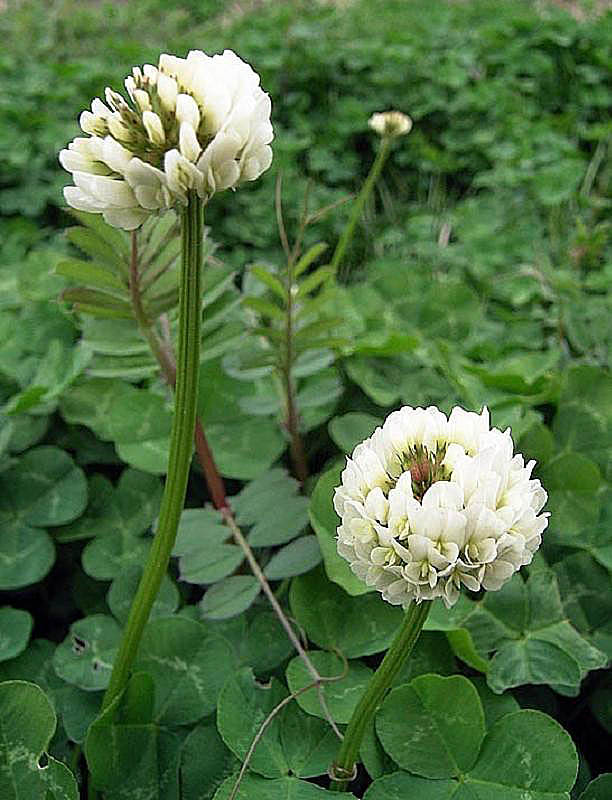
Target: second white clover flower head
(390,124)
(429,503)
(200,123)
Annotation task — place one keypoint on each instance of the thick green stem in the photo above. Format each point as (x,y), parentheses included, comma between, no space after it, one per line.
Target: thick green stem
(181,446)
(358,205)
(405,639)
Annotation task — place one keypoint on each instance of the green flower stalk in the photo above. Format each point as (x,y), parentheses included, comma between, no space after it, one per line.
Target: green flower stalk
(190,127)
(181,444)
(389,125)
(344,769)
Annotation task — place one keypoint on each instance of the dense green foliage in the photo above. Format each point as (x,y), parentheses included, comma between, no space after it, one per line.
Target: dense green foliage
(480,275)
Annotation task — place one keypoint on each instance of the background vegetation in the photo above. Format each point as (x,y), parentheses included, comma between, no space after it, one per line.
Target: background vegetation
(480,275)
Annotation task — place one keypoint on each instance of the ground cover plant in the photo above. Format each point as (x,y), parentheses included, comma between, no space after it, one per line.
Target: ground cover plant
(471,269)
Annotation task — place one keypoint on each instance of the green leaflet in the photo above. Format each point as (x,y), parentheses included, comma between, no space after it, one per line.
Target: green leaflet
(243,706)
(15,629)
(43,489)
(205,556)
(295,558)
(85,657)
(184,663)
(598,789)
(433,726)
(27,723)
(309,743)
(123,589)
(128,752)
(355,626)
(129,508)
(521,750)
(341,695)
(257,639)
(205,761)
(246,447)
(589,609)
(256,788)
(229,597)
(272,505)
(526,629)
(350,429)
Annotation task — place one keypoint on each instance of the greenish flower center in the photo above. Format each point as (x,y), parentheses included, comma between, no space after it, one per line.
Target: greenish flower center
(425,468)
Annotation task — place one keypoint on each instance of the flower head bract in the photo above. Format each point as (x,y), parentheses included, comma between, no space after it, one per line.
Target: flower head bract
(430,503)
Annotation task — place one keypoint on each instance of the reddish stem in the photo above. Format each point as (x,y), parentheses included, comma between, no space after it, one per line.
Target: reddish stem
(214,481)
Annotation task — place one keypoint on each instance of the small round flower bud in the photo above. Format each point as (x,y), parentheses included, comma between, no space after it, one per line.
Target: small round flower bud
(390,124)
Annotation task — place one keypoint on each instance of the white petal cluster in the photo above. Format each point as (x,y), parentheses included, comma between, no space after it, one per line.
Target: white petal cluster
(390,124)
(199,123)
(430,503)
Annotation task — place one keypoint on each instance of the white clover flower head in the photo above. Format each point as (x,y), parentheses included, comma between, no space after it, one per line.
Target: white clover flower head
(390,124)
(429,504)
(200,123)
